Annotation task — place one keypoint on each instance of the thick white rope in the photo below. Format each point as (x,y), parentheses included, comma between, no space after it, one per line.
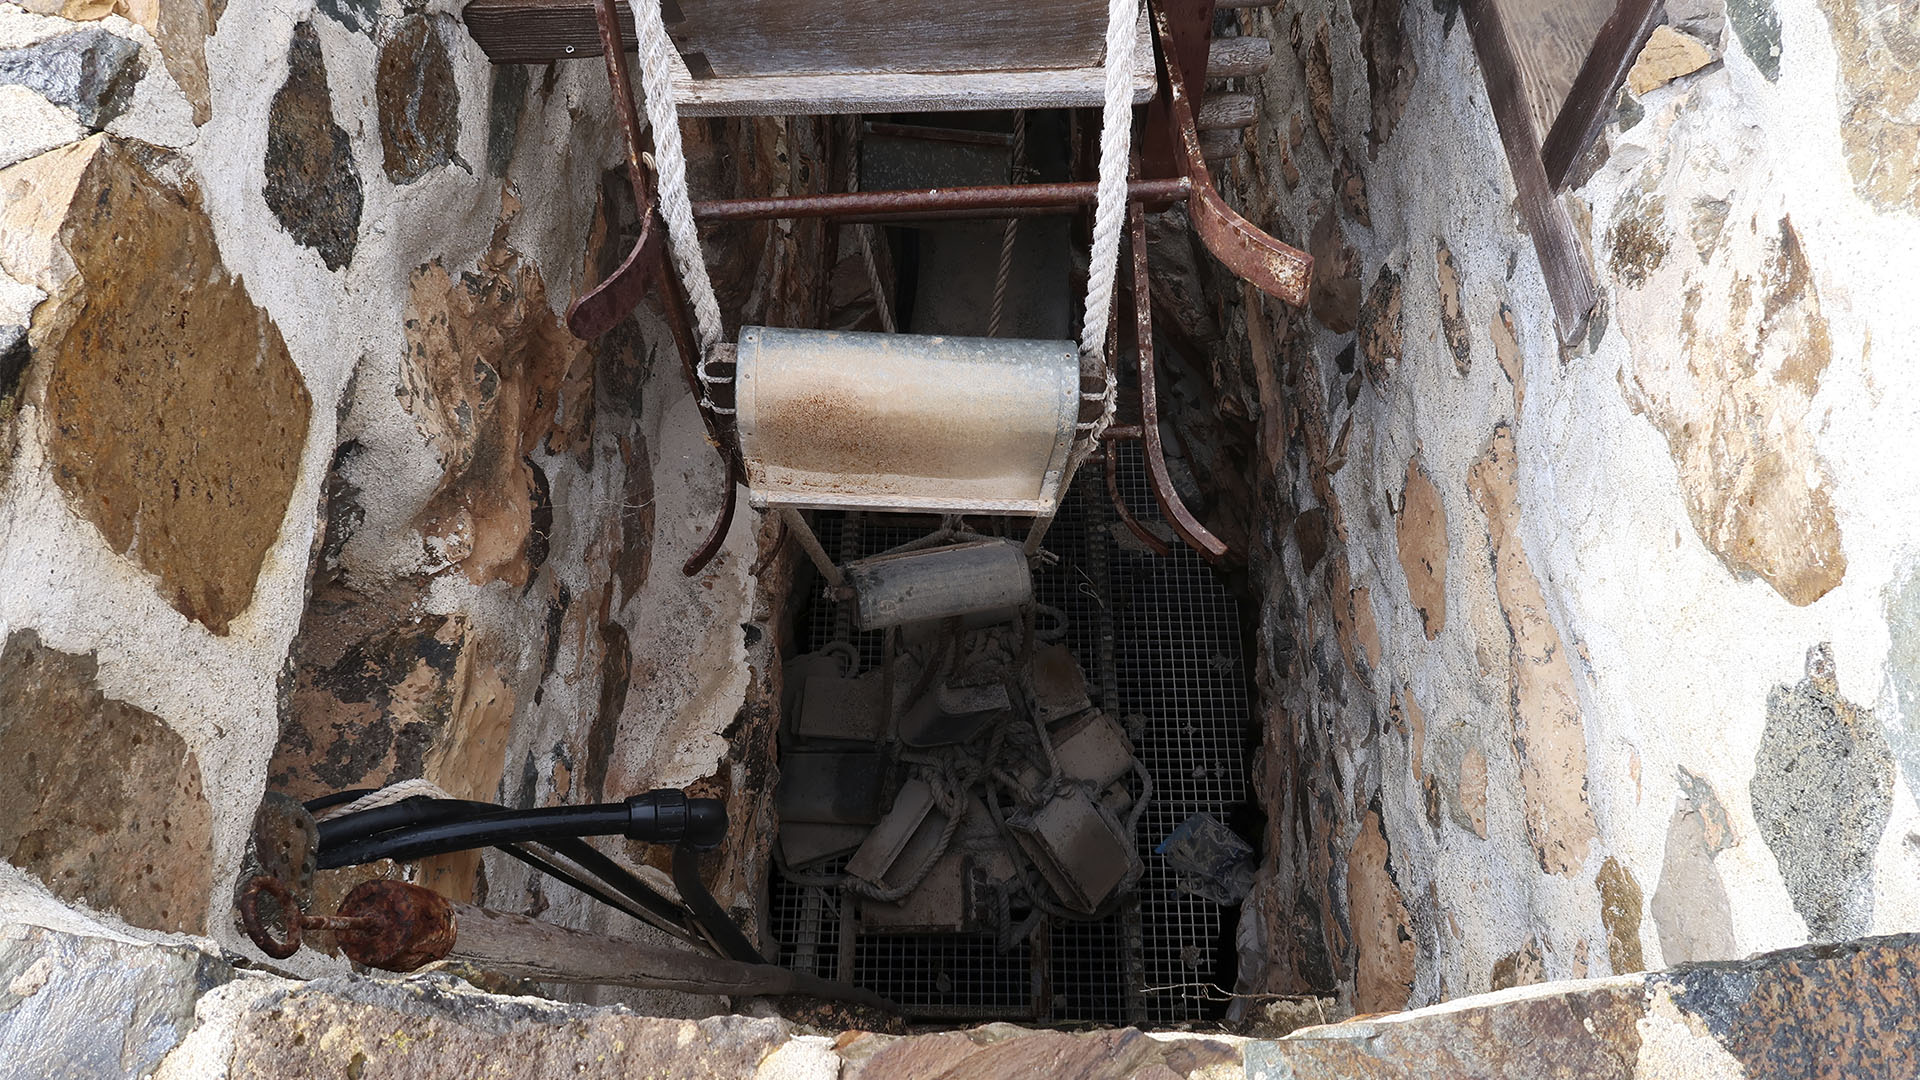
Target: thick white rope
(1109,219)
(1110,207)
(386,796)
(670,160)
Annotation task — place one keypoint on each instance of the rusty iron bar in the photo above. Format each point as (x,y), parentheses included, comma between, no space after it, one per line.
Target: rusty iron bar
(1140,531)
(1275,268)
(984,201)
(281,947)
(602,307)
(1181,518)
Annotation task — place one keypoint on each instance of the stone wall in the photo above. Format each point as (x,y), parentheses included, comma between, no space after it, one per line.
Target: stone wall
(1581,659)
(304,485)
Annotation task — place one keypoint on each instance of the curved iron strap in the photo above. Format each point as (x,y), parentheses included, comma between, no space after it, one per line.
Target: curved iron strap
(602,307)
(1195,534)
(1115,435)
(1278,269)
(698,561)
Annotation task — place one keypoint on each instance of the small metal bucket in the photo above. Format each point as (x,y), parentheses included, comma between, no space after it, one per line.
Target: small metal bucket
(904,422)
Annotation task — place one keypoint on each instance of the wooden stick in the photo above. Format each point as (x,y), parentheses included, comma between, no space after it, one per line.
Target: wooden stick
(529,949)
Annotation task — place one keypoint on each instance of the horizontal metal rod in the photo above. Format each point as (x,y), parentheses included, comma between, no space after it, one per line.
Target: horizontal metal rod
(1001,197)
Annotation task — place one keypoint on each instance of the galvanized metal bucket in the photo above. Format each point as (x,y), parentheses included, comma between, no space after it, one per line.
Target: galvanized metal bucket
(902,422)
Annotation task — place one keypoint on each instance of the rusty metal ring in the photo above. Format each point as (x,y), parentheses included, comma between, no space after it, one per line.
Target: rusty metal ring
(249,905)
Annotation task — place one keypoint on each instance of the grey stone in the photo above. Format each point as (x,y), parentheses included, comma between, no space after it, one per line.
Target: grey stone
(1822,791)
(1757,25)
(90,71)
(505,104)
(1690,908)
(1902,723)
(312,186)
(93,1007)
(358,16)
(419,104)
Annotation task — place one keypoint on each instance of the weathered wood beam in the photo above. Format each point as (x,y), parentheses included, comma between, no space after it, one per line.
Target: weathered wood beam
(1590,102)
(1224,111)
(1239,57)
(1570,281)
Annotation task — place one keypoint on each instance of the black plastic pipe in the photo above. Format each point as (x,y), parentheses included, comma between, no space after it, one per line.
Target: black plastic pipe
(657,817)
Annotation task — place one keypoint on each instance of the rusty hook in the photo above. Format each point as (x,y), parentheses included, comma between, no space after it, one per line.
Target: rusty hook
(297,921)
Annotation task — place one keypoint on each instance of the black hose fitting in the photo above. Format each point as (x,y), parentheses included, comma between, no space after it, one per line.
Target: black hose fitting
(667,816)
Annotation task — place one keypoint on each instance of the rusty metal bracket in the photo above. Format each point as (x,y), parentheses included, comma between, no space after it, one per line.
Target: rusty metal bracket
(602,307)
(285,944)
(1195,534)
(1276,268)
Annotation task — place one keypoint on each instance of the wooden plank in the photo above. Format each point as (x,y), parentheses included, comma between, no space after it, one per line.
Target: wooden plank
(1590,101)
(537,31)
(1569,279)
(1550,40)
(540,31)
(756,38)
(972,91)
(1238,57)
(1219,145)
(1222,111)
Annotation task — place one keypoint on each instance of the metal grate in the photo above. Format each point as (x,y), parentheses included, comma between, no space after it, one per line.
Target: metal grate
(1174,639)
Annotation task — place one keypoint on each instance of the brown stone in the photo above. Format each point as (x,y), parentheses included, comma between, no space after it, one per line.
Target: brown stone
(176,418)
(104,801)
(1453,309)
(1824,1011)
(1384,953)
(1391,70)
(1334,295)
(1521,967)
(1380,339)
(418,102)
(1506,349)
(1668,55)
(1473,789)
(488,373)
(1353,618)
(1587,1031)
(1734,402)
(1620,913)
(1421,528)
(1317,58)
(1879,58)
(1351,183)
(374,1031)
(1549,741)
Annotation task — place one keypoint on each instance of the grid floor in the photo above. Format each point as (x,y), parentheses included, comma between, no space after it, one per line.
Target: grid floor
(1177,665)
